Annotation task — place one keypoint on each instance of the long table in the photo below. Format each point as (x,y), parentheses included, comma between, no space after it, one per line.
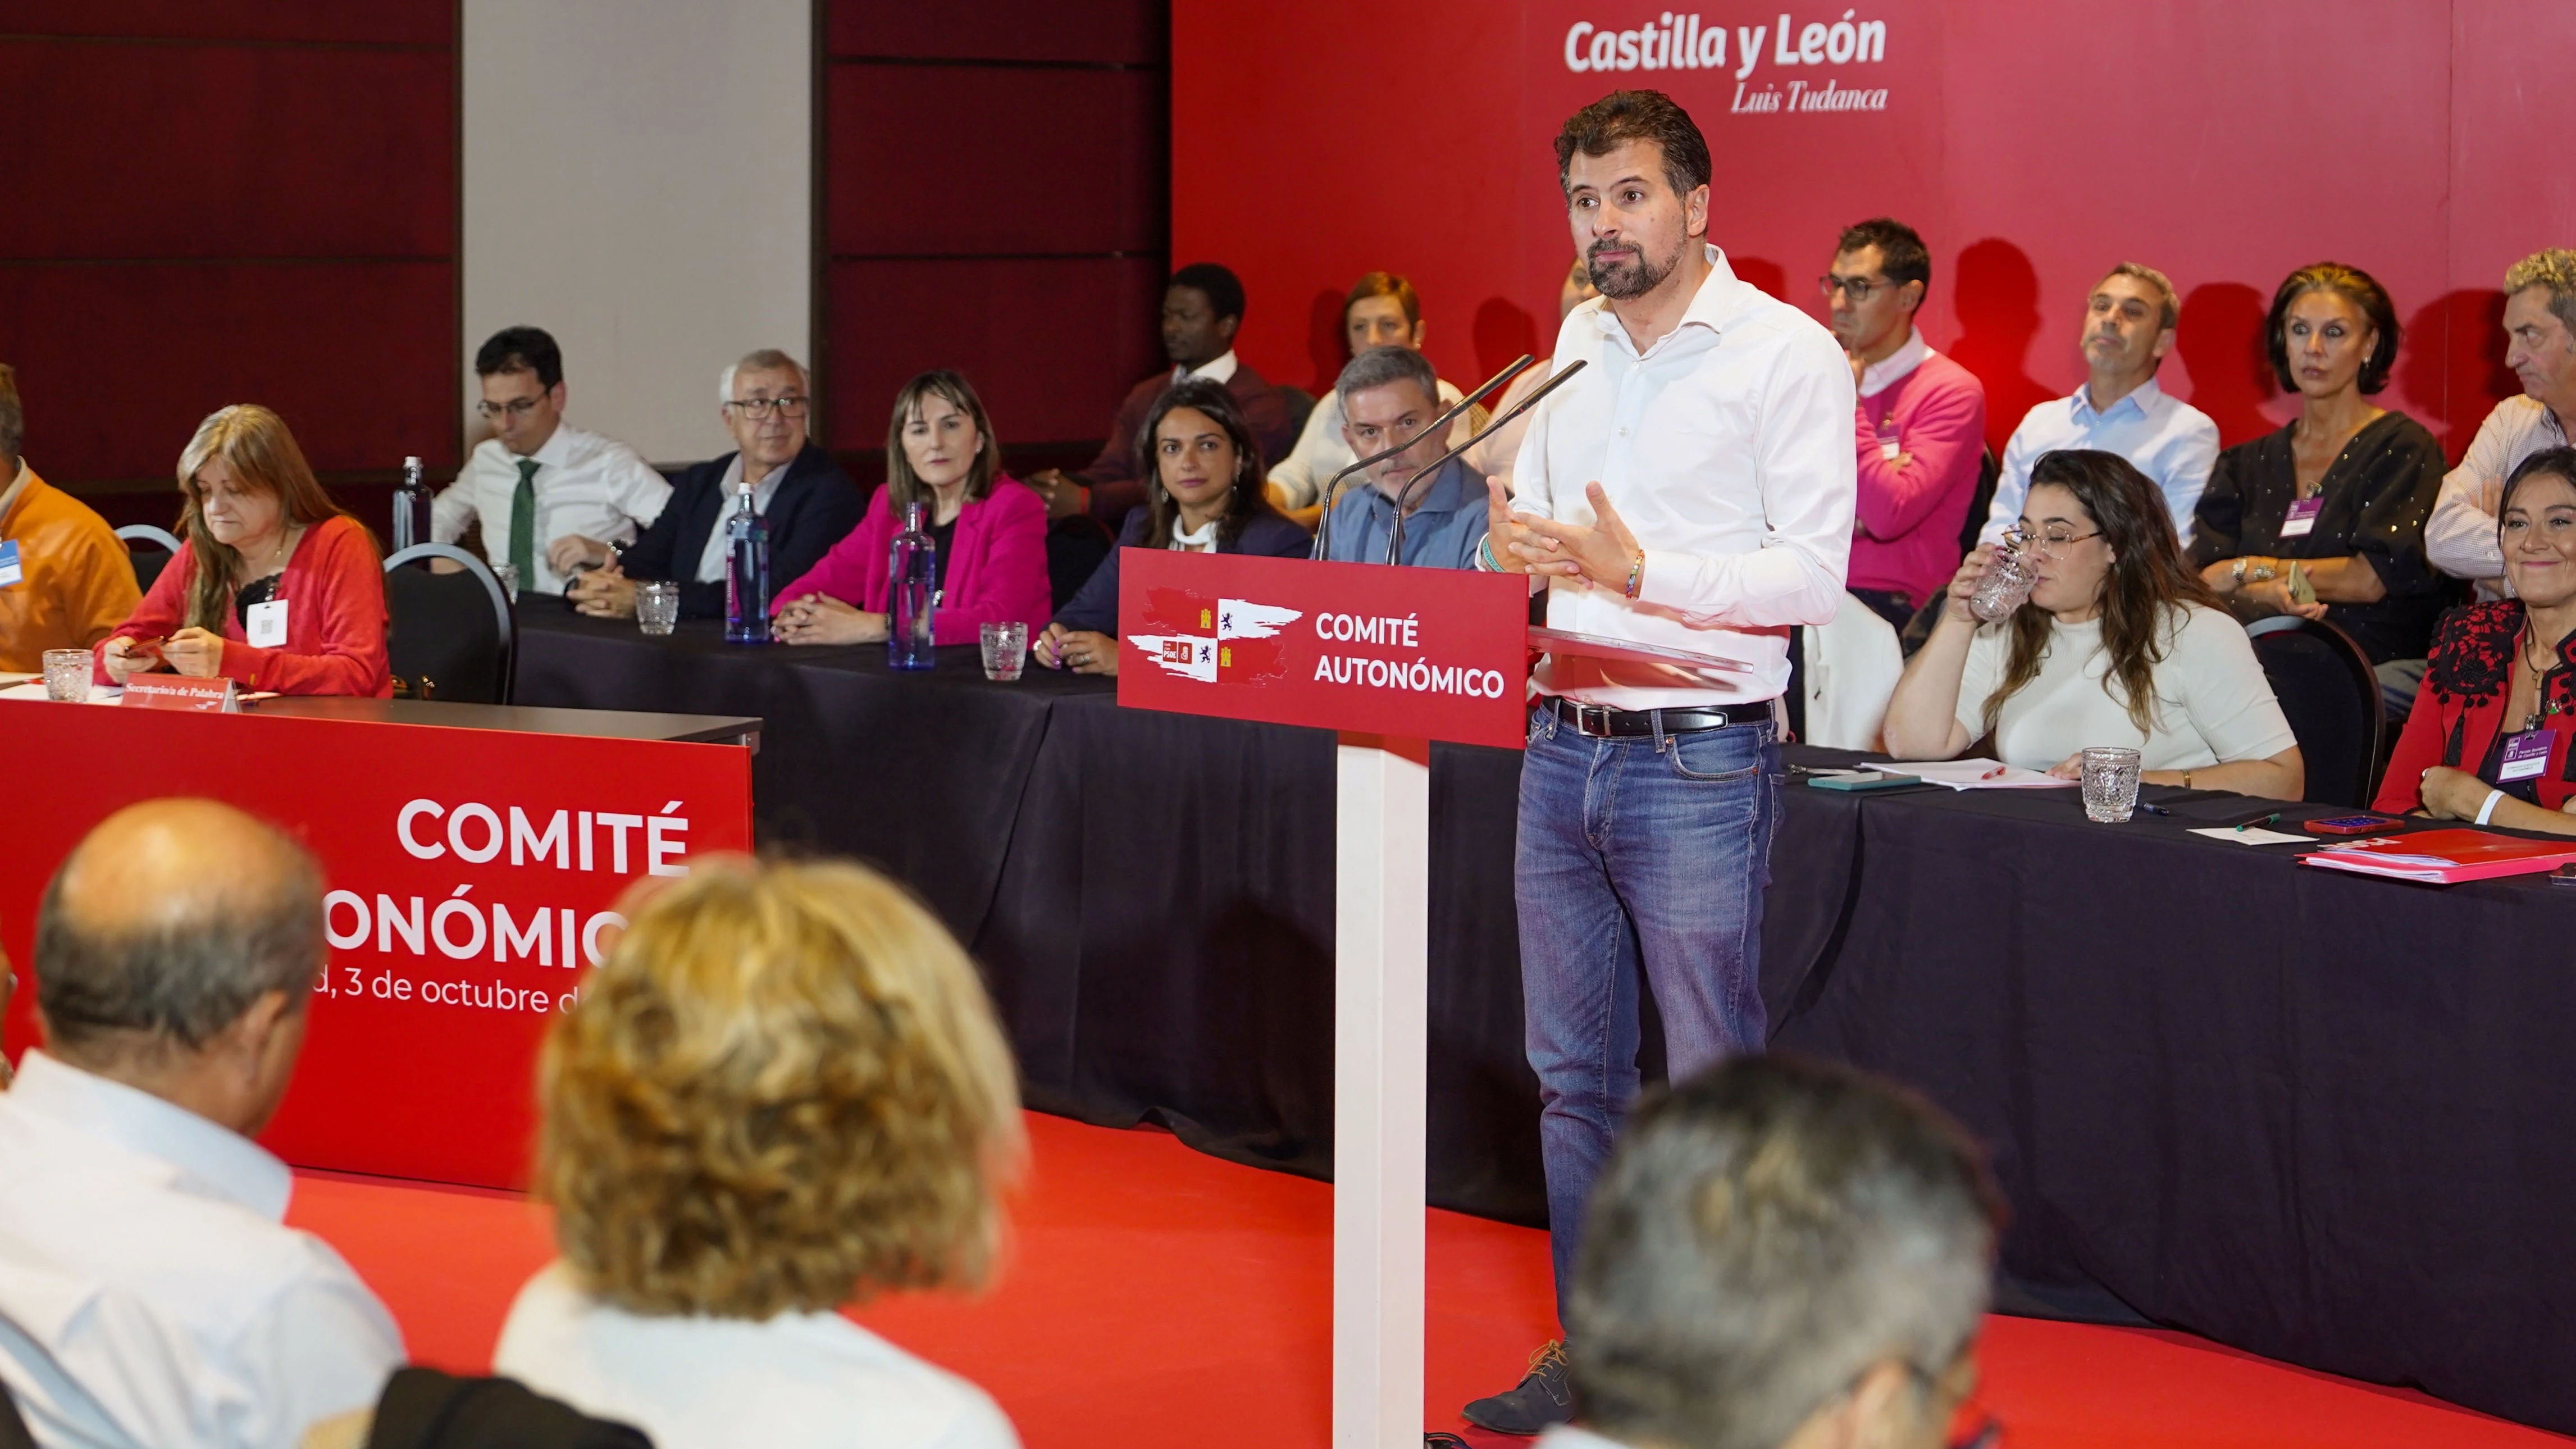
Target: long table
(2311,1115)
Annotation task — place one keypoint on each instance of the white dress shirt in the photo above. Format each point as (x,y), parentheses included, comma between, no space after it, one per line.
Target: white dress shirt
(796,1380)
(150,1294)
(2172,442)
(586,484)
(1888,371)
(1727,449)
(1218,370)
(1322,451)
(2460,537)
(711,561)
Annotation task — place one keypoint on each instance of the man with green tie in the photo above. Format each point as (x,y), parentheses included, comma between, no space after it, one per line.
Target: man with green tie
(551,497)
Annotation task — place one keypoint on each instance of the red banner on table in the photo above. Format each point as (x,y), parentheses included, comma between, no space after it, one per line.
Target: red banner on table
(471,878)
(1422,653)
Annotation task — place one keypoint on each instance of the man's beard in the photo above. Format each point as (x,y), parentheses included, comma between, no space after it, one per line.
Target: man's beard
(1622,281)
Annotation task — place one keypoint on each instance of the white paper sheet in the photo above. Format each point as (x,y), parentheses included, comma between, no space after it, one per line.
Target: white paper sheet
(1980,775)
(2254,835)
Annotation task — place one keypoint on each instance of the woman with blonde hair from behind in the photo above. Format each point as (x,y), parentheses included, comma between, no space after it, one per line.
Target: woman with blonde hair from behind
(782,1092)
(275,587)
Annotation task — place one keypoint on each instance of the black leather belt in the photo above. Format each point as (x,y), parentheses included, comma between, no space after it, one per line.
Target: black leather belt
(1604,722)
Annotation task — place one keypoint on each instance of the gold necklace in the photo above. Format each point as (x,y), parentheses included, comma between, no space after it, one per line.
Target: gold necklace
(2539,680)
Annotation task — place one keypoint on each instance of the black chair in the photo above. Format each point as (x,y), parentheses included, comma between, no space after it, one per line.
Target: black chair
(163,546)
(1982,502)
(1074,548)
(452,635)
(1300,407)
(2330,694)
(13,1429)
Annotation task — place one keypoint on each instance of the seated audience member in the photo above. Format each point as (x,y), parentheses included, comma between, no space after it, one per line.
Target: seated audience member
(2128,329)
(805,499)
(551,498)
(1201,310)
(74,580)
(2342,492)
(991,532)
(1496,456)
(1207,497)
(1781,1254)
(2120,644)
(275,588)
(150,1294)
(2488,739)
(1383,397)
(2540,347)
(782,1092)
(1382,311)
(1921,422)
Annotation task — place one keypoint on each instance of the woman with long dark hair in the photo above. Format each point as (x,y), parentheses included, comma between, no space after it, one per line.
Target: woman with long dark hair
(1203,494)
(2120,644)
(275,587)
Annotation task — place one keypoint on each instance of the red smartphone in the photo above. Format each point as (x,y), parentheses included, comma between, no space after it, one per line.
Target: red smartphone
(2349,825)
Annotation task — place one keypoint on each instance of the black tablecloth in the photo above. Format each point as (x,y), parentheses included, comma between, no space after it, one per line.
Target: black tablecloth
(2307,1114)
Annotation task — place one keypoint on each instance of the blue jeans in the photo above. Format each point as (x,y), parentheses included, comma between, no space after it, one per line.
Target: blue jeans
(1650,851)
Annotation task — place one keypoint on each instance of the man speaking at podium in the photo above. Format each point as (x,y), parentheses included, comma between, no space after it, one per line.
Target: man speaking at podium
(1693,491)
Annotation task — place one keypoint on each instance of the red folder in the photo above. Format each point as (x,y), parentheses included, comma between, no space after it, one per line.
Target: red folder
(2445,857)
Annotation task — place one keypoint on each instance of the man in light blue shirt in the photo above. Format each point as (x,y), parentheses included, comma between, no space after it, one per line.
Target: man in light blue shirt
(2128,329)
(1389,394)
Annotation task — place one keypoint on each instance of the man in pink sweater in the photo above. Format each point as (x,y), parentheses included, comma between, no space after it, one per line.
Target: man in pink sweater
(1920,425)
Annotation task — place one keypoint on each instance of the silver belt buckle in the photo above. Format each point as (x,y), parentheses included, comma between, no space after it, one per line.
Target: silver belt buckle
(1598,726)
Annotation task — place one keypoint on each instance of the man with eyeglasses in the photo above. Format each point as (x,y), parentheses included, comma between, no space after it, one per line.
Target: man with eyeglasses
(807,501)
(552,499)
(1920,427)
(2128,329)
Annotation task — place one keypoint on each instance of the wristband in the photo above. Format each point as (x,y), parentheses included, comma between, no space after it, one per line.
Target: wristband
(1485,555)
(2486,812)
(1636,573)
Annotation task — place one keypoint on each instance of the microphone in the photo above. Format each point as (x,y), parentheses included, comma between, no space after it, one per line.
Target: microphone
(1324,523)
(1395,535)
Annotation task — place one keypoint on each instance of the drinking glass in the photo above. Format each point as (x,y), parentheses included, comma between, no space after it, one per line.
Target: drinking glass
(1006,648)
(2009,578)
(657,607)
(67,674)
(2110,783)
(508,574)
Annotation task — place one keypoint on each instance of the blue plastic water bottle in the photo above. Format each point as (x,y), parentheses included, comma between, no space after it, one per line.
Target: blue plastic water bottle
(913,567)
(746,573)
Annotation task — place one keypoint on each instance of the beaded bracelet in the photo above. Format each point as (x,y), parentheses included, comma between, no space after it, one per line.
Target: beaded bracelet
(1636,573)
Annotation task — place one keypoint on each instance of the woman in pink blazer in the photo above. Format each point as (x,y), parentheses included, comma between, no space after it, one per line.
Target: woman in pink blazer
(991,531)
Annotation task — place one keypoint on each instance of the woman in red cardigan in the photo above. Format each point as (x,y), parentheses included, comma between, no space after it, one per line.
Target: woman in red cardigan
(991,531)
(276,589)
(2488,741)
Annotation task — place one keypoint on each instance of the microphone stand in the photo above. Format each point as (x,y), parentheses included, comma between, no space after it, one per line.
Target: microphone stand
(1324,523)
(1395,535)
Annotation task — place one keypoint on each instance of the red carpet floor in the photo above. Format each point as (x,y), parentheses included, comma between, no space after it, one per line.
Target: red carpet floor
(1154,1296)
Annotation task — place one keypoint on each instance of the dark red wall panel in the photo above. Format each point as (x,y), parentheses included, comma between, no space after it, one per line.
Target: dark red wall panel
(285,22)
(1034,336)
(1100,31)
(1026,160)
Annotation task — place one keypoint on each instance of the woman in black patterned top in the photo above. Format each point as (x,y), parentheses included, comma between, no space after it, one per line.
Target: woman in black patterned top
(2342,492)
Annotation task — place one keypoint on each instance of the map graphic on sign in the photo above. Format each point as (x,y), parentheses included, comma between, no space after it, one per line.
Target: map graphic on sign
(1226,640)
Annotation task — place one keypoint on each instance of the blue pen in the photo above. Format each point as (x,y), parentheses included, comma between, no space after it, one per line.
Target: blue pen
(2153,809)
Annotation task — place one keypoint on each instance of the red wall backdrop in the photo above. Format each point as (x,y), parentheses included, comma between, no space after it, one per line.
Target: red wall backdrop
(219,201)
(2032,143)
(993,200)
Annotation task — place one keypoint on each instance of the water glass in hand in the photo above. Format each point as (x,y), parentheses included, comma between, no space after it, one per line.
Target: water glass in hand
(657,607)
(67,674)
(1006,649)
(2009,578)
(2110,784)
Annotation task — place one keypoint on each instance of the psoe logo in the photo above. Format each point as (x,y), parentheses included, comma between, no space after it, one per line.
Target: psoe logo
(1226,647)
(1686,41)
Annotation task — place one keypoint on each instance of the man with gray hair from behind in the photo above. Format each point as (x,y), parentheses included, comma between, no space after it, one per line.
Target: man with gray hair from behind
(2540,346)
(150,1293)
(1782,1254)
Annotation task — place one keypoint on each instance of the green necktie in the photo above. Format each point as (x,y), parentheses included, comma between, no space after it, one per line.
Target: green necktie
(523,525)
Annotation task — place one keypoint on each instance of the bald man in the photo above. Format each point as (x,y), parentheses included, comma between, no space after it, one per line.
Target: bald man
(150,1293)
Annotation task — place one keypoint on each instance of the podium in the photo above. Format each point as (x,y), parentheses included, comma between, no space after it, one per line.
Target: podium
(1391,659)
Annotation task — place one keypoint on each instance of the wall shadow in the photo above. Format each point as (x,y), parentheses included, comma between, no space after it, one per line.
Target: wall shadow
(1324,341)
(2451,365)
(2220,339)
(1503,331)
(1763,273)
(1997,303)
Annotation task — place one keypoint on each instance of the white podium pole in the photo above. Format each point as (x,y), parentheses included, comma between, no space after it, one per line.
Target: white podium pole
(1381,932)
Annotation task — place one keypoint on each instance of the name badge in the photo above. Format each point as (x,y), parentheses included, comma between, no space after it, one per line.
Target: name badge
(267,625)
(2526,754)
(10,571)
(2303,516)
(1890,447)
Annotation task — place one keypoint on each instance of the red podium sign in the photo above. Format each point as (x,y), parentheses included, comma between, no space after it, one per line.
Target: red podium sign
(1437,654)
